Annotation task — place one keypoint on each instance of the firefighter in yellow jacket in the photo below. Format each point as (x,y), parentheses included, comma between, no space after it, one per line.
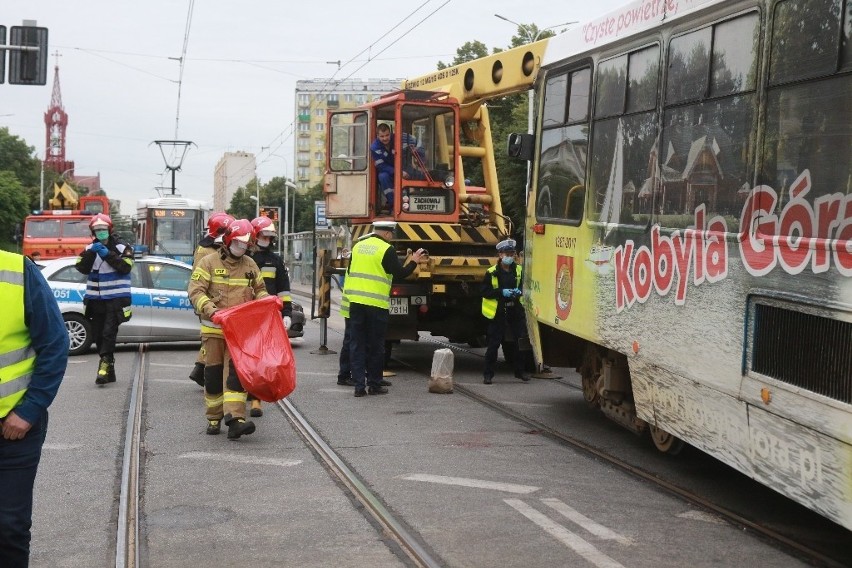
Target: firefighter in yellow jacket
(224,280)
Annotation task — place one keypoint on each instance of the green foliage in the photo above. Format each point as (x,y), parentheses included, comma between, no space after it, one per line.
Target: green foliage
(468,52)
(18,158)
(242,205)
(15,206)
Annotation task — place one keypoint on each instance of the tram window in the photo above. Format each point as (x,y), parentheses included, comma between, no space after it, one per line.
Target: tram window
(735,45)
(807,128)
(642,77)
(349,142)
(578,105)
(612,83)
(554,101)
(689,60)
(804,40)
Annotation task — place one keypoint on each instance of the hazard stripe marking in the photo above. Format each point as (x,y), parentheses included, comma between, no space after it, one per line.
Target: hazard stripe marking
(239,458)
(466,482)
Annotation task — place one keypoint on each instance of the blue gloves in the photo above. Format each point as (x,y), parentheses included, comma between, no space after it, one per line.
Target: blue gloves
(508,292)
(100,249)
(517,292)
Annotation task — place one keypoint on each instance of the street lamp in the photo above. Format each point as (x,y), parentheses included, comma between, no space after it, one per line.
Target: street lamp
(527,28)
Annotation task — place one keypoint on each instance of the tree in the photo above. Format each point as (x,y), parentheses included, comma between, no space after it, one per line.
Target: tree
(468,52)
(15,205)
(242,205)
(18,158)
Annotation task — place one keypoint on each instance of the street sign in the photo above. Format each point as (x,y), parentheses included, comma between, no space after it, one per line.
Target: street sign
(28,63)
(320,220)
(3,57)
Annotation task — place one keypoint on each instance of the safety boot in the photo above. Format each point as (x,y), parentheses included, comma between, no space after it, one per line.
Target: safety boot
(214,427)
(197,374)
(256,411)
(238,427)
(105,372)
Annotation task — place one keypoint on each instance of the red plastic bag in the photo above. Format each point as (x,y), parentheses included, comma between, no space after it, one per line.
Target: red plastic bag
(260,348)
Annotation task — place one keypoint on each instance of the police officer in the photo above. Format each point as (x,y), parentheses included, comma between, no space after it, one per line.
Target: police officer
(216,225)
(223,280)
(33,356)
(275,277)
(501,293)
(371,271)
(107,262)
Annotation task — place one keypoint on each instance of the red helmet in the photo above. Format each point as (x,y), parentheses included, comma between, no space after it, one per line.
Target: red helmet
(263,225)
(240,230)
(217,223)
(101,220)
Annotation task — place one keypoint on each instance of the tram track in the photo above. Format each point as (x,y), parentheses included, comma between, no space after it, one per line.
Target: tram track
(778,539)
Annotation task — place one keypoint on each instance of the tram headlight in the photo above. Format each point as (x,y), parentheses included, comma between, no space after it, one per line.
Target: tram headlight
(449,181)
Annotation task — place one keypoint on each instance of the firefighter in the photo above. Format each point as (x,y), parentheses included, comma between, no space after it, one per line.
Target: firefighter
(501,293)
(107,263)
(216,225)
(223,280)
(275,277)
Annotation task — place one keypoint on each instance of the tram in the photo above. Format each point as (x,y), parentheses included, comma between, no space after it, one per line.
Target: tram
(171,226)
(690,218)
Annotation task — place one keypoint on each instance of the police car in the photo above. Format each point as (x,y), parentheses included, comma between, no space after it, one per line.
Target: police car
(161,307)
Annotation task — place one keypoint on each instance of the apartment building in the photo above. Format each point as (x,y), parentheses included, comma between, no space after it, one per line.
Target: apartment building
(313,98)
(233,171)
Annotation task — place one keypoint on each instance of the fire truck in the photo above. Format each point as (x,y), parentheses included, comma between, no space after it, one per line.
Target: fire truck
(63,230)
(436,120)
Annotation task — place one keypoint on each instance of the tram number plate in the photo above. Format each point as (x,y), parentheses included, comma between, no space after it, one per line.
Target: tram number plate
(399,306)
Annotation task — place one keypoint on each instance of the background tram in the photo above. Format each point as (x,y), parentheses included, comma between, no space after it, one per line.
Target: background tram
(171,226)
(690,218)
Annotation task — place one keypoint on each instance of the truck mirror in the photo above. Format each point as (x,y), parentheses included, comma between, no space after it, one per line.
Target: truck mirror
(521,146)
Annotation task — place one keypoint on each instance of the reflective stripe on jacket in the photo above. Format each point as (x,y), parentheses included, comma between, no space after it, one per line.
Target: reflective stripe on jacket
(344,306)
(489,305)
(105,282)
(367,282)
(17,358)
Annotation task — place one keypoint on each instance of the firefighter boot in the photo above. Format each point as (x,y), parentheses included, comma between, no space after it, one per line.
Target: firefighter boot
(197,374)
(214,427)
(106,371)
(256,411)
(238,427)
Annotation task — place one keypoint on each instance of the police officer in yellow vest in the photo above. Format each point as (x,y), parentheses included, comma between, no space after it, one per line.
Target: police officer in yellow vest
(501,294)
(33,356)
(373,267)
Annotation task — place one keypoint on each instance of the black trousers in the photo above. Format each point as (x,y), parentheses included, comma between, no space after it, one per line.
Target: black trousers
(513,321)
(106,316)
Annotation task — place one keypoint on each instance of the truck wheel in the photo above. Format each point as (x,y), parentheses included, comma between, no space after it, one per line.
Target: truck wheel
(79,333)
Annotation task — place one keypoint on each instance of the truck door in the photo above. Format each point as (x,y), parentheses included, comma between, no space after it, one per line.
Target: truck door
(347,182)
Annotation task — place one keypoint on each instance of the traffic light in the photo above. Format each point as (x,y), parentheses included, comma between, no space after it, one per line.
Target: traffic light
(28,67)
(271,212)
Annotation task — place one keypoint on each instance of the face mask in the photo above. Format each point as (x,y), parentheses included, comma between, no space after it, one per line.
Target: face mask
(507,260)
(263,242)
(238,248)
(102,235)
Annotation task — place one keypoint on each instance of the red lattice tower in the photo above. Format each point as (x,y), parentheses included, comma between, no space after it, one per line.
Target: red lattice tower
(56,121)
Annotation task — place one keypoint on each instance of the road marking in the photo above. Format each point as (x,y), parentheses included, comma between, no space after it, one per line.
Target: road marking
(529,404)
(236,458)
(566,537)
(575,516)
(465,482)
(62,446)
(702,516)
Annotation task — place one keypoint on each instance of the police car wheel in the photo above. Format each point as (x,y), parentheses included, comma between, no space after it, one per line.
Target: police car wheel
(79,333)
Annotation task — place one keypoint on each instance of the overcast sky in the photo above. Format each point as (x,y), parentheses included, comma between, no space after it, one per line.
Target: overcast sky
(119,73)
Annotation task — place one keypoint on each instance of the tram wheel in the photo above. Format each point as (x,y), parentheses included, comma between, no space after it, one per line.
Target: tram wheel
(665,442)
(591,372)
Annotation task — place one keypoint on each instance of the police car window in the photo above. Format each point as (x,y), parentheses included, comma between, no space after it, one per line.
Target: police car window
(68,274)
(168,277)
(136,279)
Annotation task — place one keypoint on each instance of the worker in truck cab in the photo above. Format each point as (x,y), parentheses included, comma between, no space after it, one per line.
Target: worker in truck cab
(383,153)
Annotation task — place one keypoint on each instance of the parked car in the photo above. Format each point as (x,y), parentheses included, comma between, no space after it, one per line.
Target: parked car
(161,307)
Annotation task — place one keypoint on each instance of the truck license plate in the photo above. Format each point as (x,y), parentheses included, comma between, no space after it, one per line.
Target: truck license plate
(399,306)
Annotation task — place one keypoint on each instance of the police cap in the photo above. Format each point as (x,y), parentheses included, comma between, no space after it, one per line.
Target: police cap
(507,245)
(384,226)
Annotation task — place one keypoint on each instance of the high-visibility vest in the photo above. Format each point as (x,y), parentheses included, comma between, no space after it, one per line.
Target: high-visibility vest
(344,306)
(367,282)
(489,305)
(17,357)
(104,281)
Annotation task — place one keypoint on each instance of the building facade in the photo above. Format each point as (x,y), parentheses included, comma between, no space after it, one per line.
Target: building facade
(313,98)
(233,171)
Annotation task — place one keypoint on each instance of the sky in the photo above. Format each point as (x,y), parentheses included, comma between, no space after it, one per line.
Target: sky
(122,86)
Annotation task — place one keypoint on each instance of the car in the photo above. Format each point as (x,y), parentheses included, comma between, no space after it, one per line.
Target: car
(161,307)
